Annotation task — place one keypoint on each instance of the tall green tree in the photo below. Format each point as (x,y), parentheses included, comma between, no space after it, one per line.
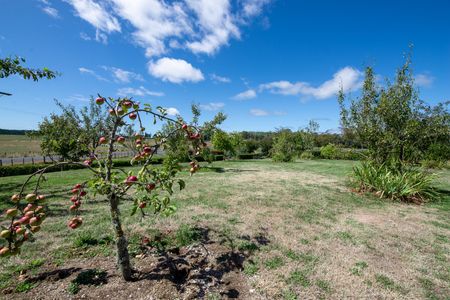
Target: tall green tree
(392,122)
(93,120)
(62,135)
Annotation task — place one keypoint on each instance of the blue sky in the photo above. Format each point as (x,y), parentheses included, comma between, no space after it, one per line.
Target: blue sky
(265,63)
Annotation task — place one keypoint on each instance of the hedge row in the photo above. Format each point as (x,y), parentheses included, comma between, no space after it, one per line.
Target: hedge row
(30,169)
(331,152)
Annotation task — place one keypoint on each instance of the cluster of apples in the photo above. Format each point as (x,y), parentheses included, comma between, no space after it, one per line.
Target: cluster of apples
(145,150)
(122,109)
(189,134)
(77,193)
(22,222)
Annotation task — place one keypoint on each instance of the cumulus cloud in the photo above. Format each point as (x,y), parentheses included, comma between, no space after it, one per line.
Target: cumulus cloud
(248,94)
(96,14)
(215,22)
(174,70)
(348,78)
(221,79)
(203,26)
(140,92)
(258,112)
(212,106)
(200,26)
(172,111)
(424,80)
(91,72)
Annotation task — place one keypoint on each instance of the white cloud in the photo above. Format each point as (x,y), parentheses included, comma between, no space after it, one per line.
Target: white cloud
(172,111)
(98,16)
(78,98)
(202,26)
(212,106)
(174,70)
(248,94)
(221,79)
(140,92)
(348,78)
(215,23)
(251,8)
(122,75)
(52,12)
(154,21)
(85,37)
(258,112)
(91,72)
(424,80)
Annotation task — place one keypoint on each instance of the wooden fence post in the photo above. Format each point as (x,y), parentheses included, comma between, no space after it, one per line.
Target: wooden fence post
(12,162)
(32,160)
(23,160)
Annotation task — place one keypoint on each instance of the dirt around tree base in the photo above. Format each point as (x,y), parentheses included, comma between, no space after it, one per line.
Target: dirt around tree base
(206,270)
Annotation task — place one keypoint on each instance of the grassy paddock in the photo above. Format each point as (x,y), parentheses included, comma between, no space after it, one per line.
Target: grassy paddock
(323,241)
(18,146)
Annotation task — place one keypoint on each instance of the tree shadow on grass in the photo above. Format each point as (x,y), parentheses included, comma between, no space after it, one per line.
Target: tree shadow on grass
(201,267)
(224,170)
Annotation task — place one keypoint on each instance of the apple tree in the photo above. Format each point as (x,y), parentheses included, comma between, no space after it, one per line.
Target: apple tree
(151,187)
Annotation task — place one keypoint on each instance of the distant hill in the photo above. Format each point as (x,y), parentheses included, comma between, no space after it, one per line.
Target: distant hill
(14,131)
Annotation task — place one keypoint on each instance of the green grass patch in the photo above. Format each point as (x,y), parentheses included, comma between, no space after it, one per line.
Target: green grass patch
(274,262)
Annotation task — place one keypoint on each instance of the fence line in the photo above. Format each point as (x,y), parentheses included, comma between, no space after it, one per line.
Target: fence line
(44,159)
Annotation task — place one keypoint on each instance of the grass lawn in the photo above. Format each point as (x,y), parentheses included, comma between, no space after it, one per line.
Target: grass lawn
(293,230)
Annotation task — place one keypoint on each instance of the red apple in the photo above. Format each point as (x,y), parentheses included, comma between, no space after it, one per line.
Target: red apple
(20,230)
(83,193)
(127,104)
(120,139)
(12,212)
(102,140)
(184,126)
(142,205)
(147,149)
(30,197)
(87,162)
(131,179)
(132,116)
(15,198)
(112,112)
(34,221)
(74,191)
(100,100)
(77,186)
(150,186)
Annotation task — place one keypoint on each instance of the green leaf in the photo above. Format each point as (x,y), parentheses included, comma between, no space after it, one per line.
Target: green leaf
(133,211)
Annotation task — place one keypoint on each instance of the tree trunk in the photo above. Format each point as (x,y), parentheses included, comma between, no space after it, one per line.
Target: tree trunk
(123,258)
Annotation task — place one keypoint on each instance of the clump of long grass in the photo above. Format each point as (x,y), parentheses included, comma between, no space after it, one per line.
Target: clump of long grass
(406,184)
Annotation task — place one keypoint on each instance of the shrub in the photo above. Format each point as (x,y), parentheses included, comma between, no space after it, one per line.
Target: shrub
(409,184)
(329,151)
(286,146)
(307,155)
